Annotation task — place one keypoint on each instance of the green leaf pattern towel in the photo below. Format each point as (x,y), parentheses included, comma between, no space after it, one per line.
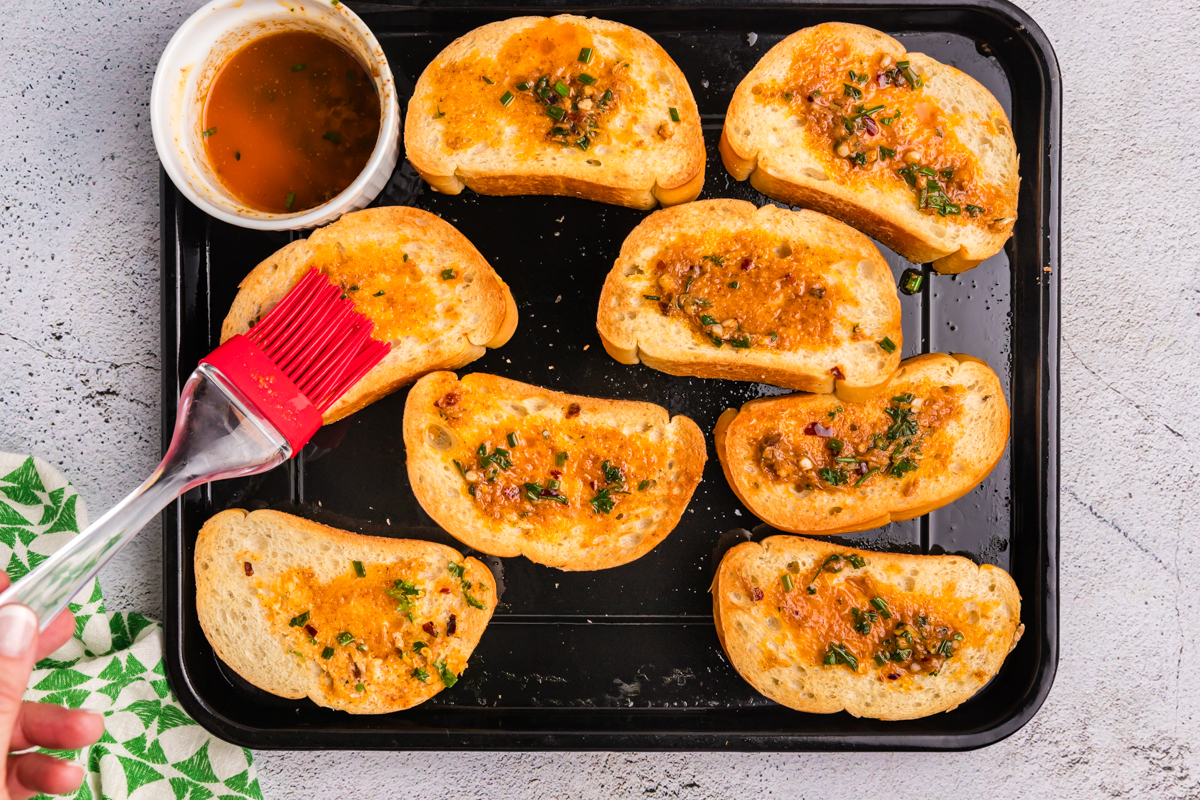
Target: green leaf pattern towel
(113,665)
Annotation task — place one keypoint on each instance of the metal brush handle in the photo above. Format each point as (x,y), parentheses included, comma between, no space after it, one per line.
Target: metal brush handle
(218,434)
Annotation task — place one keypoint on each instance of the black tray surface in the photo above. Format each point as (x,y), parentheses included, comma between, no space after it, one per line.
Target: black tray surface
(628,658)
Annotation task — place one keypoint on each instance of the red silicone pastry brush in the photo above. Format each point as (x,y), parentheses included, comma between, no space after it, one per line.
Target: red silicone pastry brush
(250,405)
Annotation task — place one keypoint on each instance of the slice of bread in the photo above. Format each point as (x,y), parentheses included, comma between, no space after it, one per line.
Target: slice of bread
(824,464)
(564,105)
(357,623)
(570,482)
(721,289)
(913,152)
(819,627)
(426,288)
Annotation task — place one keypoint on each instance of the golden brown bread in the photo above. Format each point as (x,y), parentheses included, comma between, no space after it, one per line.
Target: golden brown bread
(358,623)
(426,288)
(721,289)
(571,482)
(912,152)
(822,464)
(566,105)
(821,628)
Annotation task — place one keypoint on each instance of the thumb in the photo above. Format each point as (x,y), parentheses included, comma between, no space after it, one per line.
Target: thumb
(18,632)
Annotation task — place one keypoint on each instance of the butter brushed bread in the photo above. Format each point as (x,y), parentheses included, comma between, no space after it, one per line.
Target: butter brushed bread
(824,464)
(572,482)
(910,151)
(426,288)
(721,289)
(566,105)
(362,624)
(821,628)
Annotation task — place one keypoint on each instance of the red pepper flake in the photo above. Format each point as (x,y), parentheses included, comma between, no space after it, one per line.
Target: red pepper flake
(310,630)
(573,410)
(661,266)
(444,590)
(756,594)
(837,373)
(747,263)
(452,625)
(248,567)
(817,429)
(429,628)
(447,400)
(556,473)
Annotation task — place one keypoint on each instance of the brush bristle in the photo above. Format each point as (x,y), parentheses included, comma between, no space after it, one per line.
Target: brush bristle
(318,340)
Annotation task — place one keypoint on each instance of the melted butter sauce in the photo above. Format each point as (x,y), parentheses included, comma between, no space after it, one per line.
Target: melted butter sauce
(629,486)
(792,449)
(783,299)
(387,286)
(821,93)
(380,647)
(815,621)
(290,121)
(467,94)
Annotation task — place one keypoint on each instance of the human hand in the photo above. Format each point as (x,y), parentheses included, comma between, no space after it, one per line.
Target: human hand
(24,725)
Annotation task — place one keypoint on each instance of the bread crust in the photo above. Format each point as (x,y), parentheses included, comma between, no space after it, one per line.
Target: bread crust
(633,332)
(382,233)
(763,643)
(984,422)
(669,171)
(882,210)
(232,604)
(586,541)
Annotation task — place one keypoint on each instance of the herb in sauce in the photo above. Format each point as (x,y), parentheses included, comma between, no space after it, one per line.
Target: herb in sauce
(855,560)
(299,620)
(840,654)
(448,677)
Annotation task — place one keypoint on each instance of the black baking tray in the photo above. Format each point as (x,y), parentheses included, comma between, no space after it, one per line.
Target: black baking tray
(627,658)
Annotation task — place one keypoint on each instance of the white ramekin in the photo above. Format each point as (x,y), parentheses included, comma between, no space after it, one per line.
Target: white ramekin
(192,59)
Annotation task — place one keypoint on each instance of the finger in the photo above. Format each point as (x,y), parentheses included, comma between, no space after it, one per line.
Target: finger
(60,629)
(5,581)
(18,636)
(38,773)
(55,727)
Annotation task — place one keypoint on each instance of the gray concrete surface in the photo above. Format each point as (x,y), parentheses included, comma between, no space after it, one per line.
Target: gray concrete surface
(79,352)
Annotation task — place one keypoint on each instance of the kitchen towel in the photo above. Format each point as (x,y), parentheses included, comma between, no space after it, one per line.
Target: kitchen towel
(151,749)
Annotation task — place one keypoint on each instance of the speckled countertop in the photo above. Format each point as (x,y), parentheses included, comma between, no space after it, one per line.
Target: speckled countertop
(79,386)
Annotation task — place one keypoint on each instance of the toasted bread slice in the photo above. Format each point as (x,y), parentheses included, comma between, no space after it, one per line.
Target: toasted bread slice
(426,288)
(357,623)
(563,105)
(819,627)
(924,439)
(908,150)
(721,289)
(570,482)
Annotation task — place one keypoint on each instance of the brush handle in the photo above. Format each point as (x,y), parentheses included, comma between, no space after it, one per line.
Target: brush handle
(218,434)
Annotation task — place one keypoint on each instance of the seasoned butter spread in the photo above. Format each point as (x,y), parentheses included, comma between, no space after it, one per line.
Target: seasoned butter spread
(523,469)
(550,85)
(382,629)
(387,285)
(856,445)
(839,616)
(750,289)
(870,122)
